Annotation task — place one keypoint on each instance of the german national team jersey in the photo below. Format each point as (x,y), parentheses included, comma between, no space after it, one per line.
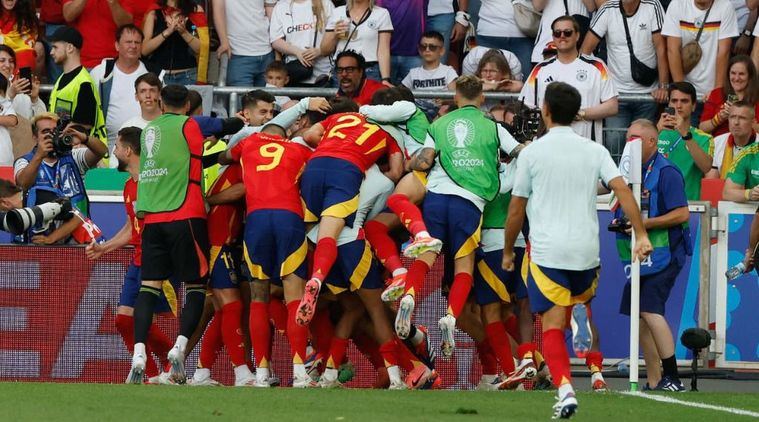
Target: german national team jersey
(225,220)
(271,168)
(130,203)
(350,137)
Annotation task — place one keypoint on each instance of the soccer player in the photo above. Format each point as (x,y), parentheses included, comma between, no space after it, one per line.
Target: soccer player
(348,144)
(559,175)
(127,152)
(464,145)
(275,238)
(175,238)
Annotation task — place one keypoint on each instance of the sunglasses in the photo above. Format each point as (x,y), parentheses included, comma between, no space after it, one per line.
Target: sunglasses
(566,33)
(348,69)
(430,47)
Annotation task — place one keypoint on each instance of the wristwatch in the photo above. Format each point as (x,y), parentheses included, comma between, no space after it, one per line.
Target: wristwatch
(387,80)
(688,136)
(747,32)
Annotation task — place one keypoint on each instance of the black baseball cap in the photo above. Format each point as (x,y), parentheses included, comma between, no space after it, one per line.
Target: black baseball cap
(69,35)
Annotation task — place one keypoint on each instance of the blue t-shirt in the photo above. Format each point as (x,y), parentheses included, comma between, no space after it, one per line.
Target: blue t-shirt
(408,17)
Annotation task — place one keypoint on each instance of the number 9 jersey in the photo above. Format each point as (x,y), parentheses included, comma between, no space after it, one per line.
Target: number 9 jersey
(271,167)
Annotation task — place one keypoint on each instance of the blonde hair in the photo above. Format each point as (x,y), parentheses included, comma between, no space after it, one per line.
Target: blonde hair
(42,116)
(317,8)
(469,86)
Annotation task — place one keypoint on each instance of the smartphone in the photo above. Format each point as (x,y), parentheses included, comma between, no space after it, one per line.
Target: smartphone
(732,98)
(26,73)
(670,111)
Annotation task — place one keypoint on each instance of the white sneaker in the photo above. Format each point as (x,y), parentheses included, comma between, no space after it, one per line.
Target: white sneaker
(398,385)
(565,408)
(421,245)
(304,382)
(582,335)
(403,317)
(137,372)
(243,377)
(447,326)
(525,371)
(262,378)
(176,358)
(489,383)
(329,379)
(164,378)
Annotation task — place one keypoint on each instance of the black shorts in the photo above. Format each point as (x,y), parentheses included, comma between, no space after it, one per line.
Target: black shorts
(176,250)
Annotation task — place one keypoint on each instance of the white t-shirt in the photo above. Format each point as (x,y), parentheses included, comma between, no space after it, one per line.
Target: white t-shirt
(683,20)
(431,80)
(365,38)
(440,7)
(78,154)
(741,13)
(559,174)
(247,27)
(6,145)
(646,21)
(720,144)
(472,60)
(588,74)
(496,19)
(136,121)
(554,9)
(296,24)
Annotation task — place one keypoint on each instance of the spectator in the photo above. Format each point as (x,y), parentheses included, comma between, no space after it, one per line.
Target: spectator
(431,75)
(504,113)
(495,73)
(472,61)
(588,75)
(552,9)
(73,95)
(25,94)
(97,21)
(644,21)
(51,15)
(684,20)
(497,28)
(7,119)
(173,38)
(297,30)
(408,18)
(742,184)
(441,18)
(114,81)
(745,16)
(277,77)
(741,84)
(352,79)
(243,28)
(728,146)
(687,147)
(19,30)
(147,93)
(139,9)
(366,29)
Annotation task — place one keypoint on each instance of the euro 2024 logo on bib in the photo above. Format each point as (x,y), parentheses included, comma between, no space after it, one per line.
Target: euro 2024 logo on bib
(460,136)
(152,141)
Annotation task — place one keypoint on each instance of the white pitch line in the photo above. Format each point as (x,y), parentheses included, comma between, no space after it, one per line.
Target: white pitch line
(665,399)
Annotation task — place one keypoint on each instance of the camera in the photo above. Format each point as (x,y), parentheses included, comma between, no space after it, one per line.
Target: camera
(619,225)
(62,143)
(20,220)
(524,127)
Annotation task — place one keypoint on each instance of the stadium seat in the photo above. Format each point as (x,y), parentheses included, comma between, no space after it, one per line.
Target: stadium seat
(711,190)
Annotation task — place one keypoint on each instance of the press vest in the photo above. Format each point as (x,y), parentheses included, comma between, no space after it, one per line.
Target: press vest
(63,102)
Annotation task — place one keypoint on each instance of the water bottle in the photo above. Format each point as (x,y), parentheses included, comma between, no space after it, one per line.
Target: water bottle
(735,271)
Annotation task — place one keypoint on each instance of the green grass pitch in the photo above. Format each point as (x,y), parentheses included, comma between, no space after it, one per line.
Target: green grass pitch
(85,402)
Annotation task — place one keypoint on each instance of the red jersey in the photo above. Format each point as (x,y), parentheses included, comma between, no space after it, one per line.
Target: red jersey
(271,168)
(130,203)
(194,205)
(225,220)
(51,11)
(349,137)
(364,94)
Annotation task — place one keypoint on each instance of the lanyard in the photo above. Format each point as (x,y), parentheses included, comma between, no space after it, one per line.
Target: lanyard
(53,179)
(672,148)
(650,168)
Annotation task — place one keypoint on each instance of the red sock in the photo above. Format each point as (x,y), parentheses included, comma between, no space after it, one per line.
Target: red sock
(526,350)
(407,360)
(384,247)
(322,331)
(337,352)
(297,334)
(512,327)
(462,285)
(125,327)
(260,333)
(211,342)
(487,358)
(409,213)
(278,314)
(231,332)
(388,350)
(160,344)
(369,348)
(324,256)
(594,361)
(415,276)
(556,356)
(499,341)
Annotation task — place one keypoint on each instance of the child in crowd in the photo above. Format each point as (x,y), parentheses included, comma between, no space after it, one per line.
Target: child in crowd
(7,119)
(277,77)
(431,75)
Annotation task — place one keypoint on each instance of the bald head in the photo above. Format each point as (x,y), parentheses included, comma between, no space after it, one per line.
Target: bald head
(274,129)
(649,135)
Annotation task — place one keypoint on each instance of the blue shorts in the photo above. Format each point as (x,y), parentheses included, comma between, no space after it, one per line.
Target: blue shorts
(654,291)
(549,287)
(225,267)
(329,188)
(131,289)
(355,268)
(275,244)
(494,284)
(454,220)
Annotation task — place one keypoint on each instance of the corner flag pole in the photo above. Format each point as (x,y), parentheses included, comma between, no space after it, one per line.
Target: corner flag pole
(635,180)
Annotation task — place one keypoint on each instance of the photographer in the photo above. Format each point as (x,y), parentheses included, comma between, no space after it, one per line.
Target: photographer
(53,165)
(16,219)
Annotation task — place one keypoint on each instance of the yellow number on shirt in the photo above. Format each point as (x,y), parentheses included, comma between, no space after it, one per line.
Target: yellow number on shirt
(273,151)
(349,122)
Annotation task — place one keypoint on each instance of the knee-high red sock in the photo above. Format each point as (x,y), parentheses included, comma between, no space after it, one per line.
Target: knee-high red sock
(231,332)
(415,277)
(487,358)
(211,343)
(389,352)
(462,285)
(125,327)
(297,334)
(278,314)
(377,235)
(160,344)
(556,356)
(369,348)
(594,361)
(512,327)
(407,360)
(337,352)
(409,213)
(324,257)
(499,341)
(322,331)
(260,333)
(526,351)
